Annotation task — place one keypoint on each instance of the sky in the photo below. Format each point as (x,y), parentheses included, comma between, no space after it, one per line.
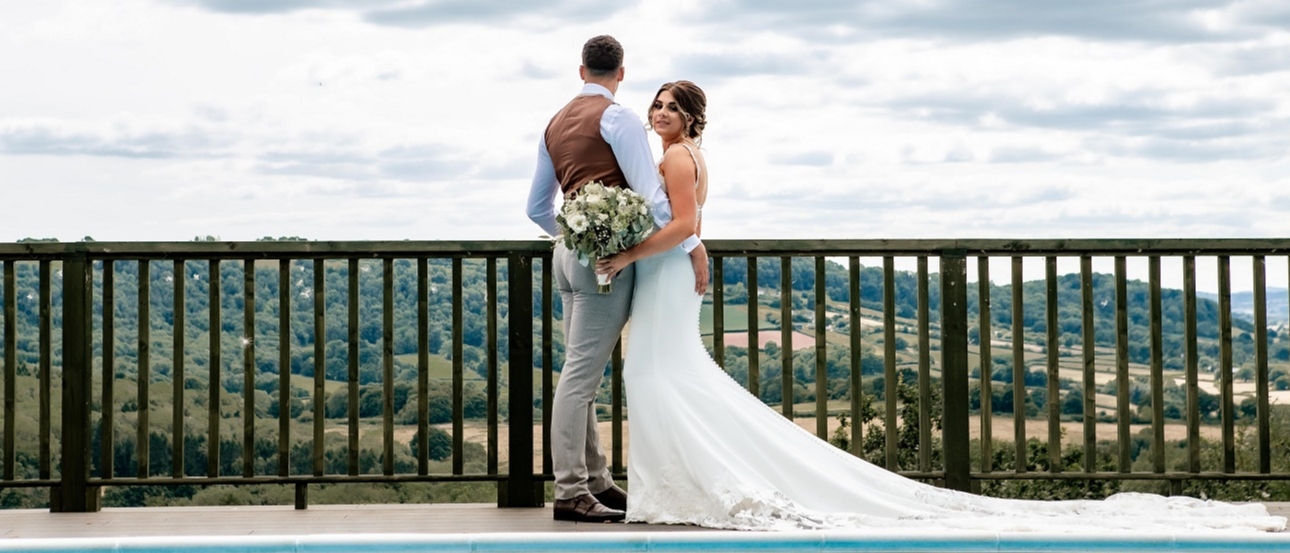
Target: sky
(161,120)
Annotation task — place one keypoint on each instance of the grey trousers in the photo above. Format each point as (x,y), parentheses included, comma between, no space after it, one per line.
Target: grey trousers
(592,324)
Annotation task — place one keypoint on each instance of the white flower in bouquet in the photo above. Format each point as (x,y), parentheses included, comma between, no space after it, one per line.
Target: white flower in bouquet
(602,221)
(577,222)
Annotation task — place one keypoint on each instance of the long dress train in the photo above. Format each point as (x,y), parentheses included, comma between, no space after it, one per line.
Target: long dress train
(706,452)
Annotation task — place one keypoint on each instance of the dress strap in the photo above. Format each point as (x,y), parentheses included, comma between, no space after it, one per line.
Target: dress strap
(698,208)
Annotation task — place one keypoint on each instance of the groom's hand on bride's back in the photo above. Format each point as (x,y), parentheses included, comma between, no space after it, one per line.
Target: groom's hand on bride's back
(699,259)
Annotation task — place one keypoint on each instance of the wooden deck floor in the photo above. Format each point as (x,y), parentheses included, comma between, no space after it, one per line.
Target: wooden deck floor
(319,519)
(285,520)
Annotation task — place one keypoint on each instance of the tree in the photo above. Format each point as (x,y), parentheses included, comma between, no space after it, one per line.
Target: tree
(440,444)
(440,404)
(772,349)
(736,294)
(1073,402)
(1248,409)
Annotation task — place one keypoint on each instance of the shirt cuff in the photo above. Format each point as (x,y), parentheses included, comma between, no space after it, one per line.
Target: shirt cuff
(551,228)
(690,243)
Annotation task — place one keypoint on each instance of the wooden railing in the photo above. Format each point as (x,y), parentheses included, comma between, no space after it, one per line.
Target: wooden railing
(86,283)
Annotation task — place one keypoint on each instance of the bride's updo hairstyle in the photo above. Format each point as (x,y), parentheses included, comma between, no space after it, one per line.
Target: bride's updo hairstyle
(692,102)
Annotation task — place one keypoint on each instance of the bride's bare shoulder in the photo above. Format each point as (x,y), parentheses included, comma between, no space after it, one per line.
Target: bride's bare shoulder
(677,157)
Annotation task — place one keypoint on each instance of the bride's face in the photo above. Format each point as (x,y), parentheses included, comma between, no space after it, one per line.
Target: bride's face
(666,117)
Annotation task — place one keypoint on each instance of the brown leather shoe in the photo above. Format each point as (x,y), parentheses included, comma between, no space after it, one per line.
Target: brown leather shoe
(614,498)
(585,508)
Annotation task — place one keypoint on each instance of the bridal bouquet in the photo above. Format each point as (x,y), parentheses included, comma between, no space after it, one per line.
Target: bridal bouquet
(602,221)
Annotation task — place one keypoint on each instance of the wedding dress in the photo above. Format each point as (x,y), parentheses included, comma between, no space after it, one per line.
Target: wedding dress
(706,452)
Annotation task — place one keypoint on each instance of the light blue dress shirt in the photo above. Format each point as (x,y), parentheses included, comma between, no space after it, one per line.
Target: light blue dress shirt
(626,136)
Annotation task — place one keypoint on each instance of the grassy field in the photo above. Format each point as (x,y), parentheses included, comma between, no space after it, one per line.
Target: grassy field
(736,318)
(440,367)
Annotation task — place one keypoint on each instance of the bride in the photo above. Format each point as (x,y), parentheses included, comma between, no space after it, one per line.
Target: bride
(706,452)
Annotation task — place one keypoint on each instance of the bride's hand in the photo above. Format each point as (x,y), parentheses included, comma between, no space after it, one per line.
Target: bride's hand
(613,264)
(699,259)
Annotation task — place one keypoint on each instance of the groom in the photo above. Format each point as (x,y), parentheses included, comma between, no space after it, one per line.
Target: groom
(591,139)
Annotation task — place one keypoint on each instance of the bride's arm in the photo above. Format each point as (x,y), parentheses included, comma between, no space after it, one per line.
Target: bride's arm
(677,168)
(678,173)
(699,257)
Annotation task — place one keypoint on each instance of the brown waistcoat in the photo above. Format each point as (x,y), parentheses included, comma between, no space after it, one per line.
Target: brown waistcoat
(578,152)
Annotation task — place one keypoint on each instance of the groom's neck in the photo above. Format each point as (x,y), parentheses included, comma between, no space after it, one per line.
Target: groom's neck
(610,83)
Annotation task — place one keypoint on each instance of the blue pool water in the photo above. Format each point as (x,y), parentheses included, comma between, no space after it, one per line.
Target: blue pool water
(958,542)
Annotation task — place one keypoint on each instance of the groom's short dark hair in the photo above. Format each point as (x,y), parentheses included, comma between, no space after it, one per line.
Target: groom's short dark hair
(602,55)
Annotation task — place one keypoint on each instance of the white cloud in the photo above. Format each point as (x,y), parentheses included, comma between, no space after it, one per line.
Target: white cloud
(1150,21)
(162,120)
